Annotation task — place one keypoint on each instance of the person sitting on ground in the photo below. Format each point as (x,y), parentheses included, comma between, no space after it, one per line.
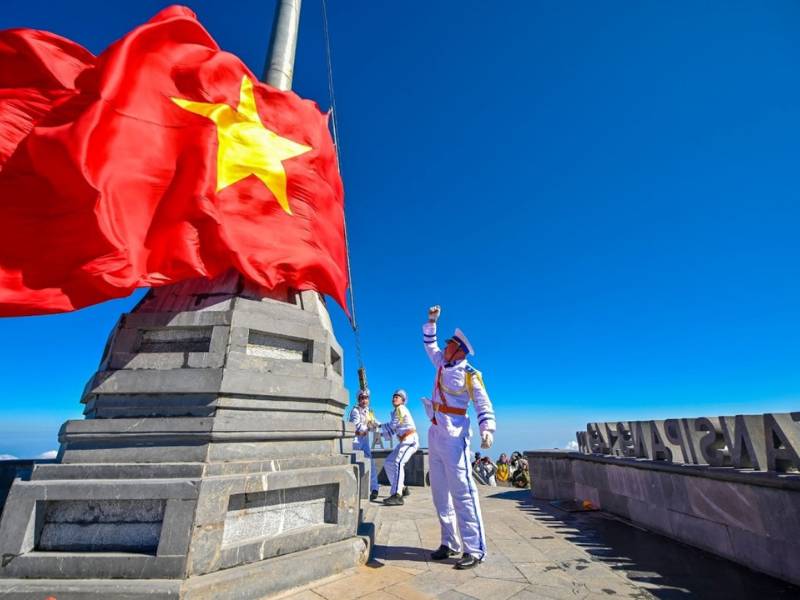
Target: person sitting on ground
(483,471)
(514,462)
(503,469)
(477,472)
(488,471)
(521,477)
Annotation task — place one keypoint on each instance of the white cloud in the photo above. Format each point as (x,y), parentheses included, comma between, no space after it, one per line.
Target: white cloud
(573,445)
(48,454)
(7,457)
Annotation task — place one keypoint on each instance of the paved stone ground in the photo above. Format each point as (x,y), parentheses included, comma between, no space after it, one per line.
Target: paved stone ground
(528,559)
(538,552)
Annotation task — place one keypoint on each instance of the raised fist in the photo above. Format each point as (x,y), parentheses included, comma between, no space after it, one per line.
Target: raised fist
(433,313)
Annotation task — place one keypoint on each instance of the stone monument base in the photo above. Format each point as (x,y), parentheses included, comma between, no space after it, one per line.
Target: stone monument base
(213,461)
(100,536)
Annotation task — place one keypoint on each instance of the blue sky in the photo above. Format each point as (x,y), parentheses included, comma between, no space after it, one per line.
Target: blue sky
(603,195)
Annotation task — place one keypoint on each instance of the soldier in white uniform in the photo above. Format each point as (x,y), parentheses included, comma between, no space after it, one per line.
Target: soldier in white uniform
(454,492)
(401,425)
(364,419)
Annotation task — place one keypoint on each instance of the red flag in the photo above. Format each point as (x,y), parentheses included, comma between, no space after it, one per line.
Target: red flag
(161,159)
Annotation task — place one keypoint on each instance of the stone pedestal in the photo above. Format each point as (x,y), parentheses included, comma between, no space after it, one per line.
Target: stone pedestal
(213,461)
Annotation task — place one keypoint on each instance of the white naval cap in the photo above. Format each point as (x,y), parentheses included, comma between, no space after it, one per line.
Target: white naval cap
(459,337)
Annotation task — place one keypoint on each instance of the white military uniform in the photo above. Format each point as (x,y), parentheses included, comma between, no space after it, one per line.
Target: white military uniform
(402,425)
(452,485)
(361,418)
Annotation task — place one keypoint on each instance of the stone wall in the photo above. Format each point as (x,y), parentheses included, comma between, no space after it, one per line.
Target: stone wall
(417,469)
(750,517)
(12,469)
(767,442)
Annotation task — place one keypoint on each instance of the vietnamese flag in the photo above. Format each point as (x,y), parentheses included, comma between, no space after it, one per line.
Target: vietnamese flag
(161,159)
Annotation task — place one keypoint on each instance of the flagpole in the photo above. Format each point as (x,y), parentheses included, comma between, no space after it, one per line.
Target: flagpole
(279,72)
(279,69)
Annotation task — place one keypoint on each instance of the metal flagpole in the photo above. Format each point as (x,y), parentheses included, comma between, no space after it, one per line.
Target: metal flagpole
(279,70)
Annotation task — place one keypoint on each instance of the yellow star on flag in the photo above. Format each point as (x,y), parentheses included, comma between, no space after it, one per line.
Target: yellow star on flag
(246,147)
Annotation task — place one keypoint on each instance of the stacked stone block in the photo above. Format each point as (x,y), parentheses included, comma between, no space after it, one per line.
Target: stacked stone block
(213,461)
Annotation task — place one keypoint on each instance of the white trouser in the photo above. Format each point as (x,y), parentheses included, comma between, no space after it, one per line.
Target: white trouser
(362,443)
(396,462)
(454,493)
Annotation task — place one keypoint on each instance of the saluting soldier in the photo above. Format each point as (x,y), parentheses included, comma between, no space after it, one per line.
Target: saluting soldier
(454,493)
(364,419)
(402,425)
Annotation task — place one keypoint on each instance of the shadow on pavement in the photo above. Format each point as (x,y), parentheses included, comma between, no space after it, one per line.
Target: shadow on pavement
(669,569)
(401,553)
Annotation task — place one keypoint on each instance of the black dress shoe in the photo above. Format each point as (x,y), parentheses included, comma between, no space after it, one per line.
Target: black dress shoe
(468,561)
(406,491)
(394,500)
(373,495)
(443,552)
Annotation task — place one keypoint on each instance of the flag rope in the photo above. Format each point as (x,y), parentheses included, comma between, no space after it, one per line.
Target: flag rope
(334,119)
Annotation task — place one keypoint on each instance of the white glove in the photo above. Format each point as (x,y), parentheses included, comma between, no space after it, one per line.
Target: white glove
(433,313)
(426,402)
(487,439)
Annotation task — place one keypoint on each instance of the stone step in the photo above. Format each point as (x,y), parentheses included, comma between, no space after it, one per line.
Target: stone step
(90,589)
(376,526)
(257,580)
(370,525)
(271,577)
(55,471)
(211,381)
(117,471)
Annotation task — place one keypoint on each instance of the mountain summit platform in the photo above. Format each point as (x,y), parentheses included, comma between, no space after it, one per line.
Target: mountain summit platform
(536,551)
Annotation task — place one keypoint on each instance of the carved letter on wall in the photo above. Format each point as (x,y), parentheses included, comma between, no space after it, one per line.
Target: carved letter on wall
(583,443)
(744,436)
(712,444)
(769,442)
(674,435)
(624,439)
(637,437)
(658,450)
(782,442)
(596,441)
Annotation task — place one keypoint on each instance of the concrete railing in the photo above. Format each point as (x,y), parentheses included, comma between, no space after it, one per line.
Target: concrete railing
(727,484)
(417,470)
(11,469)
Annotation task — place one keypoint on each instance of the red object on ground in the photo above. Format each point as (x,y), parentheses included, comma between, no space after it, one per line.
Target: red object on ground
(159,160)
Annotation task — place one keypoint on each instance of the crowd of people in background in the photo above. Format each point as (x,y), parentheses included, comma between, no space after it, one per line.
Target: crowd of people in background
(506,471)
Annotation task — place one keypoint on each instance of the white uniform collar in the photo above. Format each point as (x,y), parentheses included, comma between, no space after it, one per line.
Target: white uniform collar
(459,363)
